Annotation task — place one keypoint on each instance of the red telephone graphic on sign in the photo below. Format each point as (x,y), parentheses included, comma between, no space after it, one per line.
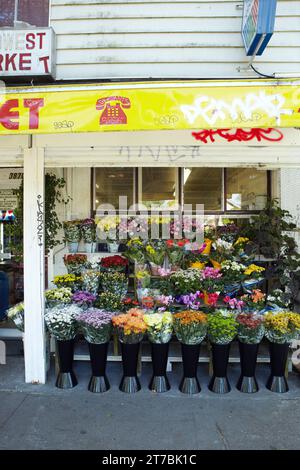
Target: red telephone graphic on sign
(113,107)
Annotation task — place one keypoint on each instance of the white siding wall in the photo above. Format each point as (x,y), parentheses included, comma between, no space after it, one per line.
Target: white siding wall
(290,195)
(166,39)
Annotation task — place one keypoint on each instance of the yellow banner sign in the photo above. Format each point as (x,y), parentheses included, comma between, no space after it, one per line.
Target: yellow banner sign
(149,106)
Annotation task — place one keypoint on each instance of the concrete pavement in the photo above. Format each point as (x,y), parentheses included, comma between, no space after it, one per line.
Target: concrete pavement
(44,417)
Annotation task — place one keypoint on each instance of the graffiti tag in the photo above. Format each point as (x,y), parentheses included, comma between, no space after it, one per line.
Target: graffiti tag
(40,220)
(211,109)
(239,135)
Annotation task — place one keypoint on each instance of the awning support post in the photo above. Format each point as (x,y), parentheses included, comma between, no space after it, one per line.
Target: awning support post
(34,266)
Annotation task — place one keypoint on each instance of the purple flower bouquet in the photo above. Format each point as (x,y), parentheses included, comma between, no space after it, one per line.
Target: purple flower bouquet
(83,299)
(96,325)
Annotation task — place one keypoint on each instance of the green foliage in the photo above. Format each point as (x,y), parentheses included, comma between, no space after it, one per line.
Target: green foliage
(267,231)
(270,233)
(54,194)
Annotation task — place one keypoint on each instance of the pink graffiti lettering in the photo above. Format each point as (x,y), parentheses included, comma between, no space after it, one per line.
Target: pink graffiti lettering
(239,135)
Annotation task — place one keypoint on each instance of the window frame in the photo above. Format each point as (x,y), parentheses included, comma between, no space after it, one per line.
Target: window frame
(137,188)
(15,17)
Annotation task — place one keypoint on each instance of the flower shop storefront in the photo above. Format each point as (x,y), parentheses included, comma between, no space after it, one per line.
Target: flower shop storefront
(149,278)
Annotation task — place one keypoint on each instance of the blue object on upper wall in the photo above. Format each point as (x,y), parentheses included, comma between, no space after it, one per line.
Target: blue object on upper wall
(4,294)
(258,25)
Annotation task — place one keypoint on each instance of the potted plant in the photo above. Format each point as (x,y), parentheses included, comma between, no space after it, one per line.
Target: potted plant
(60,296)
(96,326)
(130,328)
(175,253)
(107,228)
(61,323)
(113,263)
(159,331)
(135,252)
(190,328)
(109,301)
(250,334)
(281,328)
(75,263)
(222,328)
(114,282)
(68,280)
(83,299)
(155,255)
(72,234)
(90,281)
(88,233)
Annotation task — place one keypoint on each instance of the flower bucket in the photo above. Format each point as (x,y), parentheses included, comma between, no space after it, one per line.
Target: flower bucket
(113,247)
(98,354)
(88,247)
(207,249)
(190,357)
(220,355)
(155,268)
(130,382)
(205,298)
(73,247)
(159,382)
(247,382)
(278,360)
(215,264)
(66,377)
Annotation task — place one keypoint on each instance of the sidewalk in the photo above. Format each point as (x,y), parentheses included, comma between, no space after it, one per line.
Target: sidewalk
(44,417)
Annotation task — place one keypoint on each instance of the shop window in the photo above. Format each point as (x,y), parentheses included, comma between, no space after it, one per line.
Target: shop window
(111,183)
(34,13)
(246,189)
(203,186)
(158,188)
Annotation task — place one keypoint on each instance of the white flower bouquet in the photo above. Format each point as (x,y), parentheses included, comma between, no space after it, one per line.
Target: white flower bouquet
(61,321)
(16,314)
(159,327)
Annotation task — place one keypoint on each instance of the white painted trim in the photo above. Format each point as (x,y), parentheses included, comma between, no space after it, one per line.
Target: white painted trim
(34,267)
(157,85)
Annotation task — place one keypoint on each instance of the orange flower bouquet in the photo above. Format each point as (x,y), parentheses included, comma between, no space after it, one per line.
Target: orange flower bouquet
(190,326)
(130,326)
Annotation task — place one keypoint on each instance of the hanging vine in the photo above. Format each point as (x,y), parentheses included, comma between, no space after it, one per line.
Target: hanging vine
(54,194)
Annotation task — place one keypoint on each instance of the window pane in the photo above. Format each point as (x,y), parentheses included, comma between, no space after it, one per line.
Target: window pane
(246,189)
(112,183)
(7,11)
(34,13)
(159,187)
(203,186)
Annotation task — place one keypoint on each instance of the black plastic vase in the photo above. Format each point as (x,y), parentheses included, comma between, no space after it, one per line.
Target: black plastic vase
(66,377)
(278,359)
(247,382)
(159,382)
(98,382)
(190,357)
(130,382)
(220,355)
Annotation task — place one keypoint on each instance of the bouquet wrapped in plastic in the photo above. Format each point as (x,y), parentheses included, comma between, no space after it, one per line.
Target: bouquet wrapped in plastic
(282,327)
(60,296)
(159,327)
(61,321)
(190,326)
(222,327)
(250,328)
(130,326)
(96,325)
(16,314)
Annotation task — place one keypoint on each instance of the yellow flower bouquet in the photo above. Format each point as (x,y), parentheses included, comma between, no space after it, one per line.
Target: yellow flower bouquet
(282,327)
